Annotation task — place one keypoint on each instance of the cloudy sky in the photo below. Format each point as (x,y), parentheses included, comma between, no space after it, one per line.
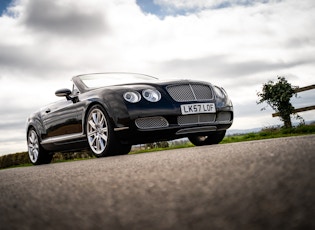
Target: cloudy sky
(237,44)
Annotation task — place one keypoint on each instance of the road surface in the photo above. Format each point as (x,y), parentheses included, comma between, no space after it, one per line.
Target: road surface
(265,184)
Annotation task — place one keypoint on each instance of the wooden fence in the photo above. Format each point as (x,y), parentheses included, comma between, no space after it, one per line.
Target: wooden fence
(304,108)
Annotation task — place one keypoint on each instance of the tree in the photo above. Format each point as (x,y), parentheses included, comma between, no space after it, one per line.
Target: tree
(277,95)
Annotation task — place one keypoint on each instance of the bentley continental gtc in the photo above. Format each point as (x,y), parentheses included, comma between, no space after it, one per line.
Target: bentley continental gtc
(109,112)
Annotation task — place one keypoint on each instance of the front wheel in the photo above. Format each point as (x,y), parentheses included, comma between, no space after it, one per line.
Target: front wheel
(36,153)
(123,149)
(210,139)
(100,134)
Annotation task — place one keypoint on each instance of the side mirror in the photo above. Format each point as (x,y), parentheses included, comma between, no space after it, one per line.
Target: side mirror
(63,93)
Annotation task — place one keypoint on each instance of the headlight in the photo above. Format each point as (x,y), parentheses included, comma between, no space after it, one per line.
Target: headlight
(132,97)
(219,92)
(151,95)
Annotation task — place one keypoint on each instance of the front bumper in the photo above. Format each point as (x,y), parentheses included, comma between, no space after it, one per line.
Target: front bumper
(168,127)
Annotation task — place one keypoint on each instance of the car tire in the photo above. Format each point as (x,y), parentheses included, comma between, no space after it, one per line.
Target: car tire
(210,139)
(37,154)
(122,149)
(100,134)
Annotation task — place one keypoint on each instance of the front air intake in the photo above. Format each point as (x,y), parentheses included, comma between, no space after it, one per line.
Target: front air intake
(151,122)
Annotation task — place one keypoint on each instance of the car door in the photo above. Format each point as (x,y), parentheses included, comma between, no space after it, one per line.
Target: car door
(62,118)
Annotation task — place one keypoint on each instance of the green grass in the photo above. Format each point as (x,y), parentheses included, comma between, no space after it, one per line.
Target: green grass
(272,132)
(185,145)
(21,159)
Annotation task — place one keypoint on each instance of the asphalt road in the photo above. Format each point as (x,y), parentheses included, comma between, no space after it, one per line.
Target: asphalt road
(252,185)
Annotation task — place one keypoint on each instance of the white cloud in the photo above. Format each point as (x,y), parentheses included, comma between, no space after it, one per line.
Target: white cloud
(43,43)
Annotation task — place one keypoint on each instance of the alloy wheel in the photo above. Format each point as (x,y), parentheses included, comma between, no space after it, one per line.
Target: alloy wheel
(97,131)
(33,146)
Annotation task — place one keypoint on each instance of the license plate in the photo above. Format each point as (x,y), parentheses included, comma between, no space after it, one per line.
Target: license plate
(197,108)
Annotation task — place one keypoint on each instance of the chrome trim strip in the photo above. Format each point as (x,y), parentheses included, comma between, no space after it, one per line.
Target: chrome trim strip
(193,92)
(62,138)
(120,129)
(196,130)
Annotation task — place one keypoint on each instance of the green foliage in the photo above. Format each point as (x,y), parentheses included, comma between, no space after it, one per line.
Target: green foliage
(152,148)
(61,157)
(161,144)
(271,132)
(19,159)
(14,160)
(277,95)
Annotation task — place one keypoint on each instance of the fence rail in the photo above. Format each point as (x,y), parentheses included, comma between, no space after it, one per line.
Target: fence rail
(307,108)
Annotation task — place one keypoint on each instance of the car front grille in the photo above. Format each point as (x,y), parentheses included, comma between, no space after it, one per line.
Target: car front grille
(190,92)
(196,119)
(151,122)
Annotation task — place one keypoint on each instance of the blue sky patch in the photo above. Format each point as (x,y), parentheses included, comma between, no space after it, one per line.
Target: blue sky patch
(162,10)
(4,5)
(150,7)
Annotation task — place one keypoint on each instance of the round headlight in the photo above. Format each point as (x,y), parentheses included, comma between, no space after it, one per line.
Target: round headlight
(132,97)
(219,92)
(151,95)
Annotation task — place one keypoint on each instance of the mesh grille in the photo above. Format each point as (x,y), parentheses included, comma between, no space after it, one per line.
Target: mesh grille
(190,92)
(181,93)
(196,119)
(151,122)
(202,92)
(224,116)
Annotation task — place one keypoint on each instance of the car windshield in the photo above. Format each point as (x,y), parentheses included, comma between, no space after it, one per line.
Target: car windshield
(108,79)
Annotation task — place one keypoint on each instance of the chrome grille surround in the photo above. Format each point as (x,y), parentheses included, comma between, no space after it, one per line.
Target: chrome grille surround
(196,119)
(151,122)
(190,92)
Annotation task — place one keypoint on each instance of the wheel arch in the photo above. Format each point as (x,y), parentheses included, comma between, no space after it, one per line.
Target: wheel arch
(29,127)
(35,126)
(88,108)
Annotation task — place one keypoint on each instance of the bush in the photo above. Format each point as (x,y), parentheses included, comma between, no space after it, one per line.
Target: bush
(72,156)
(14,160)
(271,129)
(21,158)
(249,136)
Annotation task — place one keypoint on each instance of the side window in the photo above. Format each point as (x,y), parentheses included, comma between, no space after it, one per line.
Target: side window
(75,90)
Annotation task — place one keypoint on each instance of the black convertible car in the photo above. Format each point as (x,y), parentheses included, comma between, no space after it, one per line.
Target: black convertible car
(109,112)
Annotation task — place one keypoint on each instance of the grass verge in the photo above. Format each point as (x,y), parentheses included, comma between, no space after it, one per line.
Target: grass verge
(271,132)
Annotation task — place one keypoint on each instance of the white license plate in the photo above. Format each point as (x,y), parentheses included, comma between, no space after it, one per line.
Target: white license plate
(197,108)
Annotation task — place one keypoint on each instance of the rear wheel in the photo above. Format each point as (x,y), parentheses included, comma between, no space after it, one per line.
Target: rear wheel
(36,153)
(210,139)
